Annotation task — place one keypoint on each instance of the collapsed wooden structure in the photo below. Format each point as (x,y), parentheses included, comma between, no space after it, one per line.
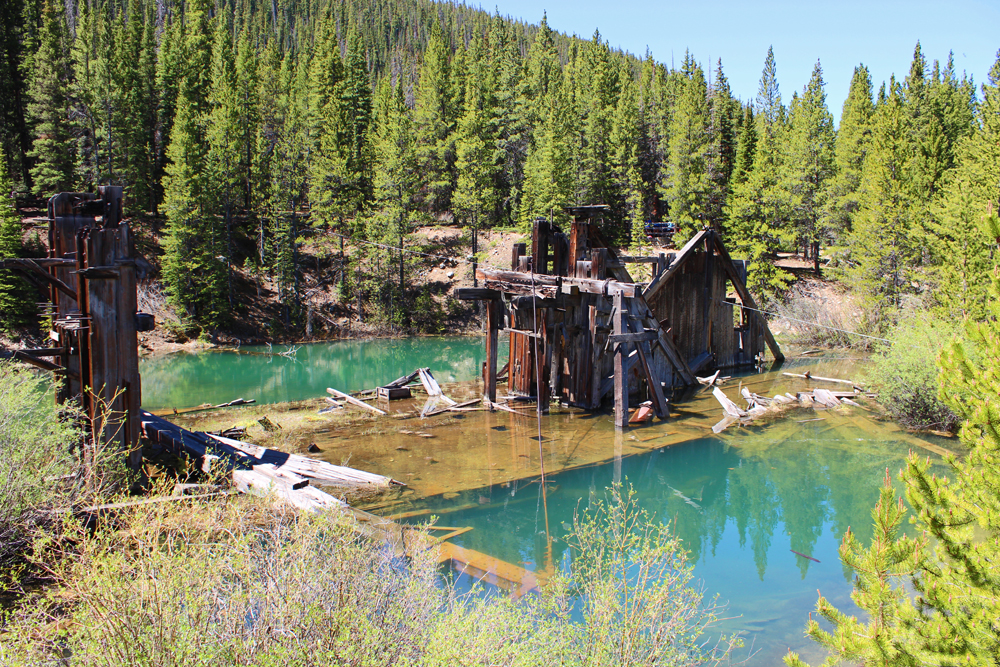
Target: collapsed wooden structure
(580,326)
(90,275)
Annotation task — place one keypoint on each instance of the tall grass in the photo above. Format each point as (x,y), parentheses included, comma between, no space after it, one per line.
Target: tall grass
(246,583)
(36,465)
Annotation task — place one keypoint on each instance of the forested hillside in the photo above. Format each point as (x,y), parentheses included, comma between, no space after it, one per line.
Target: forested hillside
(238,126)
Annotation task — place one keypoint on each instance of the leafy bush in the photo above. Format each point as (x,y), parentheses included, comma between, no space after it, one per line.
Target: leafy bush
(905,373)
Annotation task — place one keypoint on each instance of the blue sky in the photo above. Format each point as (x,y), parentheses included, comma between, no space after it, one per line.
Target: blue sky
(879,33)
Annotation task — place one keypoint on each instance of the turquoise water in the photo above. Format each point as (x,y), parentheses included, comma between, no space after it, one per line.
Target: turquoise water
(743,502)
(184,380)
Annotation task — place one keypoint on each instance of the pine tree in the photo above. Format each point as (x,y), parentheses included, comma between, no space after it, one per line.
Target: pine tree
(853,136)
(194,275)
(758,211)
(880,244)
(624,163)
(687,186)
(434,126)
(478,160)
(952,619)
(890,557)
(746,147)
(809,164)
(49,107)
(548,183)
(962,251)
(15,136)
(225,150)
(15,294)
(721,155)
(770,111)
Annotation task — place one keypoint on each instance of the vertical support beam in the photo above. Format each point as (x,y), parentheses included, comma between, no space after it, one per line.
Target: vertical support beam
(596,367)
(707,291)
(493,323)
(598,262)
(543,357)
(578,234)
(560,250)
(540,246)
(516,252)
(620,317)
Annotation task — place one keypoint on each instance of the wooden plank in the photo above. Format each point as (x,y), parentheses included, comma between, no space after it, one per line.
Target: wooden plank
(402,381)
(355,402)
(747,299)
(516,252)
(598,263)
(518,282)
(637,337)
(708,303)
(577,245)
(679,259)
(730,408)
(476,293)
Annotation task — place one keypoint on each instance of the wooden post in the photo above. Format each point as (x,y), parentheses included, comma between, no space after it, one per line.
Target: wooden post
(540,246)
(621,355)
(578,235)
(494,317)
(709,284)
(598,262)
(516,252)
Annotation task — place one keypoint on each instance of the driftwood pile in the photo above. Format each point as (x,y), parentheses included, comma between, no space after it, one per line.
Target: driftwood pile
(759,406)
(437,401)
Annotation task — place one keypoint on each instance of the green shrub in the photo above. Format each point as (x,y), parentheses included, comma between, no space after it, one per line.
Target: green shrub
(905,374)
(35,441)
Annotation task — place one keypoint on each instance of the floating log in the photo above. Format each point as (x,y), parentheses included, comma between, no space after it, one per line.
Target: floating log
(355,402)
(825,398)
(798,553)
(731,408)
(809,376)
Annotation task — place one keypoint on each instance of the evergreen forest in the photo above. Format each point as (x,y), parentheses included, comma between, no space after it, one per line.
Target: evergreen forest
(238,126)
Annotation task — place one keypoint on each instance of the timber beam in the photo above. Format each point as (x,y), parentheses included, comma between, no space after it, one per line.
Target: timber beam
(516,282)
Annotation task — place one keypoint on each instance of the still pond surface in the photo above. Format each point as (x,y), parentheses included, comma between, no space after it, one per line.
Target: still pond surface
(743,502)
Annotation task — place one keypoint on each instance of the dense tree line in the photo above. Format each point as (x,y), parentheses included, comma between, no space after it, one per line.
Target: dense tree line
(246,123)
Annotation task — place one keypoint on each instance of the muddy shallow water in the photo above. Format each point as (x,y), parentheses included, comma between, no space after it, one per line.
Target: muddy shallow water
(744,501)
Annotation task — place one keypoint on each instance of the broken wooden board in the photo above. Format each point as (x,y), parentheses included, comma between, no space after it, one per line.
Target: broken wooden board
(353,401)
(730,408)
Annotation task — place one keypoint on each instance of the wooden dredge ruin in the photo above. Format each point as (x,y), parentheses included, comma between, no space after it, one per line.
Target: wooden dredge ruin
(580,326)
